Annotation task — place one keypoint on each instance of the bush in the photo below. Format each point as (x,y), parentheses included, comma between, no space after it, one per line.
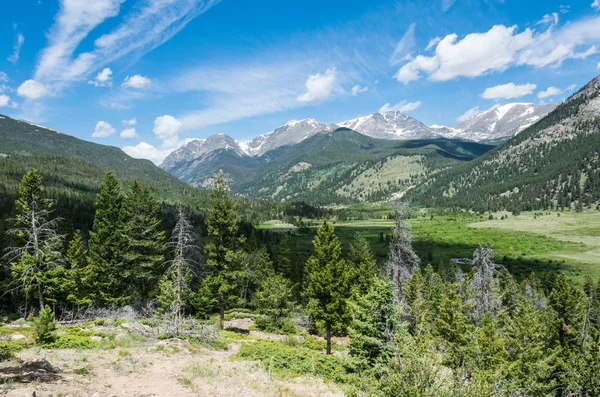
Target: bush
(298,361)
(268,324)
(73,341)
(45,326)
(9,348)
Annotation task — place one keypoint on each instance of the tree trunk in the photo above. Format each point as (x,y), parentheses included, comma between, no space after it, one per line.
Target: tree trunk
(40,296)
(221,314)
(328,340)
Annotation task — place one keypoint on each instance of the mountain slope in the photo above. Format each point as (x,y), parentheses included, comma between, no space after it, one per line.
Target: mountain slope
(555,163)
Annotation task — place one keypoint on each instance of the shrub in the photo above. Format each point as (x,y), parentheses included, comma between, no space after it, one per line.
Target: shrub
(298,361)
(9,348)
(71,341)
(45,326)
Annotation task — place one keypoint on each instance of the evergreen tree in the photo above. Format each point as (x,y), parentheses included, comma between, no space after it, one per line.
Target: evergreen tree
(108,244)
(415,311)
(567,302)
(327,289)
(483,283)
(146,243)
(81,291)
(274,300)
(363,265)
(223,249)
(37,253)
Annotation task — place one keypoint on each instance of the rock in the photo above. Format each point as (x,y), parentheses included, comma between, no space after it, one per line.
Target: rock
(96,338)
(40,364)
(299,338)
(17,337)
(22,393)
(174,341)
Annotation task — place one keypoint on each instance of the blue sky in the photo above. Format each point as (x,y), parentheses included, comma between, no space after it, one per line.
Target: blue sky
(147,75)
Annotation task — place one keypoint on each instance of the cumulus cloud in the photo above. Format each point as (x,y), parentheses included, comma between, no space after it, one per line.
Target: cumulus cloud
(508,91)
(551,91)
(32,89)
(19,41)
(468,114)
(130,122)
(405,46)
(402,106)
(502,47)
(319,86)
(103,130)
(145,150)
(103,79)
(4,100)
(357,89)
(128,133)
(166,128)
(596,5)
(136,81)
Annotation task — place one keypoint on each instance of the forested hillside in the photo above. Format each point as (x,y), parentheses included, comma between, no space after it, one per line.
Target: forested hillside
(553,164)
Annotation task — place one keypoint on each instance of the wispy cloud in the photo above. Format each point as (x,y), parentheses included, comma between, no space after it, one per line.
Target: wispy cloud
(19,41)
(145,28)
(405,46)
(403,106)
(468,114)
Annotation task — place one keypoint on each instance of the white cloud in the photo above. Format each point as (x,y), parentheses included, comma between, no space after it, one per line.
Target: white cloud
(468,114)
(4,100)
(598,66)
(508,91)
(130,122)
(357,89)
(103,130)
(596,5)
(103,79)
(502,47)
(20,40)
(551,91)
(405,46)
(136,81)
(402,106)
(145,150)
(166,128)
(128,133)
(432,43)
(571,87)
(4,78)
(319,86)
(32,89)
(549,19)
(446,4)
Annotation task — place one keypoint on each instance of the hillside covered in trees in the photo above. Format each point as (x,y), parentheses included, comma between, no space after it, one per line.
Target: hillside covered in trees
(553,164)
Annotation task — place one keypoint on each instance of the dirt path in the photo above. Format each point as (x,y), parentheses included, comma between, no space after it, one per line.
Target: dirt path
(170,368)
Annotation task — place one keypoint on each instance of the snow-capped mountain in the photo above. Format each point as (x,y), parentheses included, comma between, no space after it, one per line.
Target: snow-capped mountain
(199,147)
(390,125)
(497,123)
(292,132)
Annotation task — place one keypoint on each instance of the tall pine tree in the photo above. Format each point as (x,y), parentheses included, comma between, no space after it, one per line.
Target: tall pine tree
(327,286)
(108,244)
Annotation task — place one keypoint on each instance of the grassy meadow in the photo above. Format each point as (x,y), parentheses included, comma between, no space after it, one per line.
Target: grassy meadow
(565,241)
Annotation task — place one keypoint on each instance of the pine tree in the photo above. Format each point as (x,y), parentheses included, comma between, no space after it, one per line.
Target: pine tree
(82,281)
(146,242)
(274,299)
(415,311)
(327,289)
(223,249)
(108,244)
(37,252)
(567,302)
(284,261)
(454,327)
(363,265)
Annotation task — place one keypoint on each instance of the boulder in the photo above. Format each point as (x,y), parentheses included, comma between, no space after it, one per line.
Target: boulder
(40,364)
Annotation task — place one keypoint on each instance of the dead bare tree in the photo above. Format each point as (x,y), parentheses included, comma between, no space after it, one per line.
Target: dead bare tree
(402,260)
(177,278)
(39,244)
(483,283)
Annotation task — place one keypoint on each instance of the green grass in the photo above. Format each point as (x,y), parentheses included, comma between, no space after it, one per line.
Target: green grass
(570,243)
